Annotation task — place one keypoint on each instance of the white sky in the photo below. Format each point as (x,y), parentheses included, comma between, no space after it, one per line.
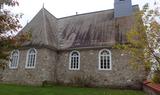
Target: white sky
(62,8)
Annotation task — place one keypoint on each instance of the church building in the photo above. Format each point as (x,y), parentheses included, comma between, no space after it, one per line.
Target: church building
(78,47)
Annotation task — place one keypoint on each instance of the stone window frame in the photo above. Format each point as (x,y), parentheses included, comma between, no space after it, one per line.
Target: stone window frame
(29,57)
(70,60)
(110,59)
(14,58)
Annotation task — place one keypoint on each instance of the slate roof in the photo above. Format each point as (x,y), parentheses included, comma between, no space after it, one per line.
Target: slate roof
(43,28)
(95,29)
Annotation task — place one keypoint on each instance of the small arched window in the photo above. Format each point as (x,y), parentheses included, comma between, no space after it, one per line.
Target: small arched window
(105,60)
(14,59)
(74,63)
(31,58)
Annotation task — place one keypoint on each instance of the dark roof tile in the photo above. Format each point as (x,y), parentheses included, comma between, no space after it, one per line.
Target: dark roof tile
(84,30)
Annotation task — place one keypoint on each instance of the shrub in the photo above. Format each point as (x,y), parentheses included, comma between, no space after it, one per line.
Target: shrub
(156,77)
(83,80)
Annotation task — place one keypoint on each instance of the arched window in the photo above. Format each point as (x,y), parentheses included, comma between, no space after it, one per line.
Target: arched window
(14,59)
(105,60)
(31,58)
(74,63)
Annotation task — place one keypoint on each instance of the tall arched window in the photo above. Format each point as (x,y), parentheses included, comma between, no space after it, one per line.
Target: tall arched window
(14,59)
(105,60)
(74,63)
(31,58)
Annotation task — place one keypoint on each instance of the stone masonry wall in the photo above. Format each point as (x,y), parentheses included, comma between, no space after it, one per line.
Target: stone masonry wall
(122,74)
(54,66)
(1,72)
(43,70)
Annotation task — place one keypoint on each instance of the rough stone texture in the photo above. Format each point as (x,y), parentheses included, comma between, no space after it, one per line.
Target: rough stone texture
(43,70)
(54,66)
(1,72)
(122,74)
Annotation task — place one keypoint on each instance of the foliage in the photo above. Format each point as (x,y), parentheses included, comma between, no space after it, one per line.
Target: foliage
(156,77)
(83,80)
(9,26)
(137,42)
(144,37)
(62,90)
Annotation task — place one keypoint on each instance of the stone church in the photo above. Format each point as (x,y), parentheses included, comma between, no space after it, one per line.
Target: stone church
(77,47)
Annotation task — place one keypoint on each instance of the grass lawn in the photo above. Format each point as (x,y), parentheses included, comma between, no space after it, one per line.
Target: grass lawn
(62,90)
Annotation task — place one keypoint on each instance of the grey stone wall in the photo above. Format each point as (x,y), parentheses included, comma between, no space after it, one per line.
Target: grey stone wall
(54,66)
(122,74)
(43,70)
(1,72)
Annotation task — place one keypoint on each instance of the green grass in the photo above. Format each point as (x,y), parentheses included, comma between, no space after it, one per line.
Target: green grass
(62,90)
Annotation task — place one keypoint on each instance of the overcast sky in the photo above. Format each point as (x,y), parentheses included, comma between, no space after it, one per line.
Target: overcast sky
(62,8)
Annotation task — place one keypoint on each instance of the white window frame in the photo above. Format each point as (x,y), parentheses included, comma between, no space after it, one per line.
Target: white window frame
(70,58)
(27,59)
(99,59)
(17,61)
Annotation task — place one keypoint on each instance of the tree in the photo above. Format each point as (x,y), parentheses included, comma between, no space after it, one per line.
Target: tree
(9,26)
(144,38)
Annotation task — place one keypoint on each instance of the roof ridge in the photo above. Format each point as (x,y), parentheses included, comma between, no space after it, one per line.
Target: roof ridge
(44,26)
(49,13)
(90,12)
(85,13)
(48,16)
